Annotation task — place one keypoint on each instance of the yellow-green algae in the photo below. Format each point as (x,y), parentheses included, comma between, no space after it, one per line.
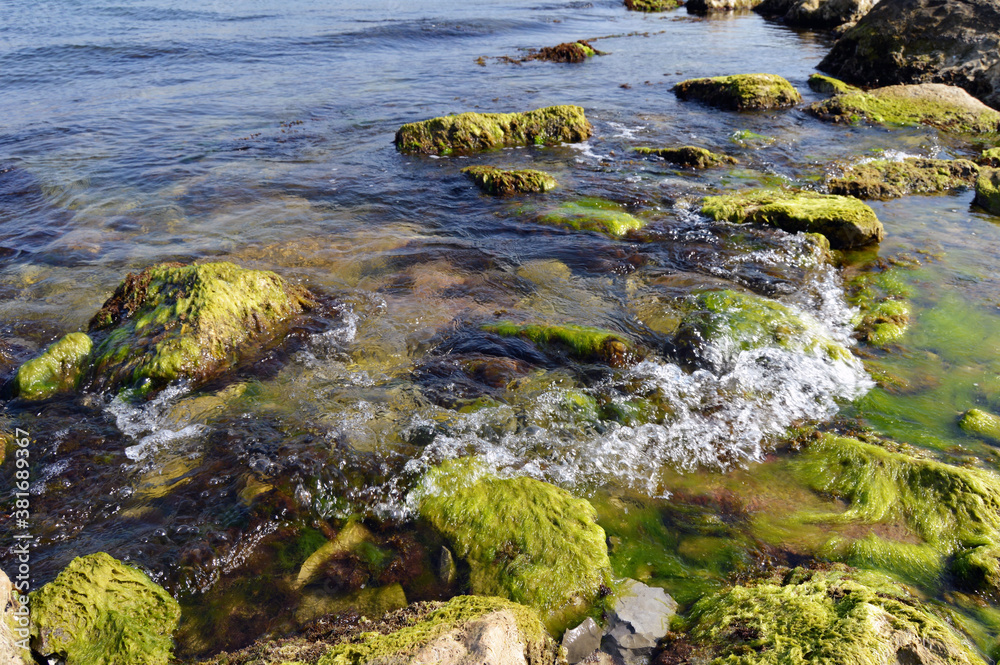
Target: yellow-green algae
(171,322)
(981,423)
(583,342)
(98,611)
(651,5)
(888,179)
(883,313)
(741,92)
(829,85)
(467,132)
(898,105)
(592,214)
(845,221)
(523,539)
(58,369)
(834,616)
(988,190)
(692,156)
(500,182)
(990,157)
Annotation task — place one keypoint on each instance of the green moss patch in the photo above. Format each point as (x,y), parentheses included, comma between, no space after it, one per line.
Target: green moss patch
(981,423)
(58,369)
(690,156)
(740,92)
(99,611)
(829,85)
(845,221)
(568,52)
(988,190)
(523,539)
(940,106)
(888,179)
(592,214)
(990,157)
(582,342)
(499,182)
(468,132)
(883,312)
(651,5)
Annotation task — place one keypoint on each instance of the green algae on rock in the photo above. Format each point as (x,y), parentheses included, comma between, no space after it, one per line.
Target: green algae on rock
(883,313)
(834,616)
(651,5)
(740,92)
(523,539)
(98,611)
(58,369)
(568,52)
(942,106)
(990,157)
(988,190)
(888,179)
(829,85)
(694,157)
(981,423)
(500,182)
(467,132)
(582,342)
(592,214)
(845,221)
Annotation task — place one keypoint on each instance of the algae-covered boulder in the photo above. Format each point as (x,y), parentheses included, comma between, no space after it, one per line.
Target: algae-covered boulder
(523,539)
(829,85)
(740,92)
(567,52)
(58,369)
(98,611)
(467,132)
(651,5)
(883,313)
(888,179)
(691,156)
(592,214)
(816,13)
(500,182)
(838,616)
(988,190)
(942,106)
(581,342)
(845,221)
(990,157)
(981,423)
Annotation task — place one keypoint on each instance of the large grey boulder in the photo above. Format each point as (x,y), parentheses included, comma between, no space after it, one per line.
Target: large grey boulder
(816,13)
(641,617)
(923,41)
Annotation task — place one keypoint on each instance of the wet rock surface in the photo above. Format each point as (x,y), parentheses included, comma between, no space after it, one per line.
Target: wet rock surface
(889,179)
(639,619)
(740,92)
(816,13)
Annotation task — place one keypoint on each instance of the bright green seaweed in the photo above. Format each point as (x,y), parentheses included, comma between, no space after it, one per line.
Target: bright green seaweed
(741,92)
(500,182)
(592,214)
(583,342)
(58,369)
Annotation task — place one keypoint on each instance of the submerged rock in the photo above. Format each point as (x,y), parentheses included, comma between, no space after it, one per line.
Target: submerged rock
(592,214)
(98,611)
(740,92)
(582,641)
(639,619)
(941,106)
(883,314)
(499,182)
(835,616)
(694,157)
(988,190)
(523,539)
(923,41)
(981,423)
(651,5)
(845,221)
(990,157)
(581,342)
(816,13)
(888,179)
(567,52)
(467,132)
(829,85)
(167,323)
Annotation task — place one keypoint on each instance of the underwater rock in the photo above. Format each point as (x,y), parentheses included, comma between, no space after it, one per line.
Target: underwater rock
(708,6)
(981,423)
(12,614)
(651,5)
(696,158)
(883,313)
(582,641)
(740,92)
(833,616)
(98,611)
(922,41)
(889,179)
(816,13)
(523,539)
(350,538)
(845,221)
(829,85)
(500,182)
(582,342)
(370,602)
(468,132)
(944,107)
(167,323)
(978,569)
(639,619)
(988,190)
(567,52)
(592,214)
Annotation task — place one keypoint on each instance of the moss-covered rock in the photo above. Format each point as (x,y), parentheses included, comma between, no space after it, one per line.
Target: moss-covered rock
(990,157)
(942,106)
(58,369)
(567,52)
(651,5)
(829,85)
(978,569)
(500,182)
(836,616)
(467,132)
(981,423)
(845,221)
(883,313)
(523,539)
(98,611)
(740,92)
(691,156)
(888,179)
(582,342)
(592,214)
(988,190)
